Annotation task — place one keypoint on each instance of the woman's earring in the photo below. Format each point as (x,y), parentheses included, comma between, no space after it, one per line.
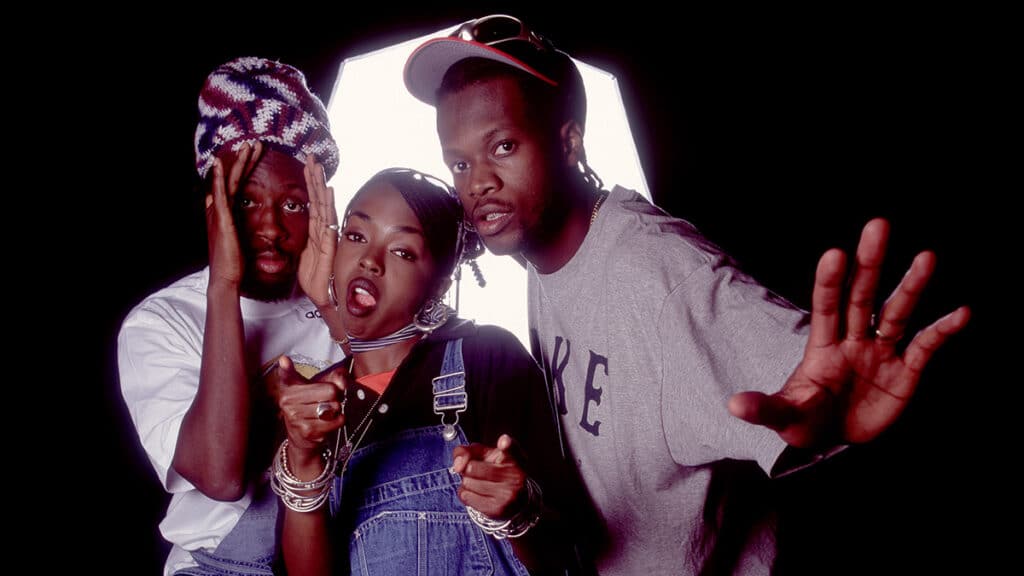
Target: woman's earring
(431,316)
(330,291)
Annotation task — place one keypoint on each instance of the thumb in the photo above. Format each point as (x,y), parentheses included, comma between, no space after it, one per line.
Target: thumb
(772,411)
(507,449)
(494,456)
(289,375)
(461,455)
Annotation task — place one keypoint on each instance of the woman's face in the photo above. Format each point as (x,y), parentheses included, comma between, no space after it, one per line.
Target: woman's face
(382,268)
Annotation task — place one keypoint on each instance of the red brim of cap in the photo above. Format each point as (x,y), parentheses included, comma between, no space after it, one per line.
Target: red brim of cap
(429,62)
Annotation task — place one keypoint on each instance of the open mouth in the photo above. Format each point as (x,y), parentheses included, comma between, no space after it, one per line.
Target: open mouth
(362,297)
(491,218)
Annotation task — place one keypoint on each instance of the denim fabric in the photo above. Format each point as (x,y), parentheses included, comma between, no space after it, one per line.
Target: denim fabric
(250,548)
(397,503)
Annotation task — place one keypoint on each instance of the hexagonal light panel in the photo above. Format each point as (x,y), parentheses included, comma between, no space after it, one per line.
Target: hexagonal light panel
(378,124)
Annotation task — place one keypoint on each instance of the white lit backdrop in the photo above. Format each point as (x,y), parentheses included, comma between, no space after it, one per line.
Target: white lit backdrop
(378,124)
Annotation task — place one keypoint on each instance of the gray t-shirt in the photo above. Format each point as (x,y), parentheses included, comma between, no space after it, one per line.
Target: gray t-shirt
(645,334)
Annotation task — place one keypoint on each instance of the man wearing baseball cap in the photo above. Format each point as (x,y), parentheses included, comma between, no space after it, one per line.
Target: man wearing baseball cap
(661,354)
(191,354)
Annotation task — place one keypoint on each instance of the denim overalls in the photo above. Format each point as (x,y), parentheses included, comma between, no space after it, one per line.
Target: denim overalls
(398,501)
(398,504)
(251,546)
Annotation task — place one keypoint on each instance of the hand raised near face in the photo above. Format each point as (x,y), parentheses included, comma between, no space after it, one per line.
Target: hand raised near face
(318,256)
(226,264)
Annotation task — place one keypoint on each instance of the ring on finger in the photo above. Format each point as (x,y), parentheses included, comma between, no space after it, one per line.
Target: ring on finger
(323,410)
(881,337)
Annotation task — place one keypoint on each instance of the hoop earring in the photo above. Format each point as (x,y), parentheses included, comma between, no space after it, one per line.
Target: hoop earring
(330,291)
(431,316)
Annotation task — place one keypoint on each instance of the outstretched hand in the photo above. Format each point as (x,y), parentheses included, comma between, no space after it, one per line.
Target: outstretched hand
(851,386)
(492,480)
(222,236)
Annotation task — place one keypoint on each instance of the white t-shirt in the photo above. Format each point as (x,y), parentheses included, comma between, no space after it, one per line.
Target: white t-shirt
(159,350)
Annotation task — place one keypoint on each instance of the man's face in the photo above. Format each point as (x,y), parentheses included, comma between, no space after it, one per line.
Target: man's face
(504,166)
(273,223)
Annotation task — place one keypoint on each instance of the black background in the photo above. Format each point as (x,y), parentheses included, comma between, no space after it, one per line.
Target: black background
(777,133)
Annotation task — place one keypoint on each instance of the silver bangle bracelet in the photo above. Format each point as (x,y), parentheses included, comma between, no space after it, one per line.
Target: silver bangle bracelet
(287,486)
(284,474)
(299,502)
(517,525)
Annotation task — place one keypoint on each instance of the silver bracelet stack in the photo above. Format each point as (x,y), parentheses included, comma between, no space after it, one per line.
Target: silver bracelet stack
(517,525)
(287,486)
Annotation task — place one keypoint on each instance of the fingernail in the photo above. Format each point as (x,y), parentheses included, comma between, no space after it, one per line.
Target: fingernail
(460,462)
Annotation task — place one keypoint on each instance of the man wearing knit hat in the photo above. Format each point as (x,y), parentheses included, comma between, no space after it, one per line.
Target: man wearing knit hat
(191,355)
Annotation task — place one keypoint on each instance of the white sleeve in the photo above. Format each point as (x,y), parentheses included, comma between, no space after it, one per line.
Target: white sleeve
(158,356)
(721,333)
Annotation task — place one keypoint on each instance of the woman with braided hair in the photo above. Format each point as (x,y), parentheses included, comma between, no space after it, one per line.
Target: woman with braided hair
(410,457)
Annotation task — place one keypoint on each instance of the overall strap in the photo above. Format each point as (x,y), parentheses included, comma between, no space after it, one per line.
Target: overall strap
(450,389)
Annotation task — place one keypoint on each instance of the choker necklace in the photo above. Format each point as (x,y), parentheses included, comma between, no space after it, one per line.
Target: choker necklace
(360,345)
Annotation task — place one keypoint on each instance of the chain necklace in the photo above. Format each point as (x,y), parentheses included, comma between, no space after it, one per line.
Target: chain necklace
(597,205)
(353,441)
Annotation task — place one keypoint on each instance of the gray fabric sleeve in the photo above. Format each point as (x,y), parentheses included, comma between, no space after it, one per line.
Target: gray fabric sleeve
(721,333)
